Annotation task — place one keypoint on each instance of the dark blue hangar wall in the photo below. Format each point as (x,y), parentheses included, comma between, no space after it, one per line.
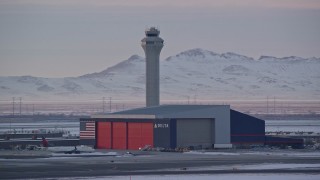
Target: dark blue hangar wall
(246,129)
(165,133)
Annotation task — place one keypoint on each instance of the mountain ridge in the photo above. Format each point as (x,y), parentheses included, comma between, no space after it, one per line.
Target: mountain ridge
(195,72)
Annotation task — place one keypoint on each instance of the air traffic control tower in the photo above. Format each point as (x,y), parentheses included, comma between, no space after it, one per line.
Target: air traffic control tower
(152,45)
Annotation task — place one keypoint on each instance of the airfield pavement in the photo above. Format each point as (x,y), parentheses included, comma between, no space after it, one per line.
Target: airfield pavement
(45,164)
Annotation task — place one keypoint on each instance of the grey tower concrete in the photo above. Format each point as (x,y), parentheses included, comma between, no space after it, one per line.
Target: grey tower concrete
(152,45)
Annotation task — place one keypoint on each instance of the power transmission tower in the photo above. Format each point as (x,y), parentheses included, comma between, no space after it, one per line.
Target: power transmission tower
(110,103)
(13,98)
(274,105)
(20,99)
(267,104)
(103,104)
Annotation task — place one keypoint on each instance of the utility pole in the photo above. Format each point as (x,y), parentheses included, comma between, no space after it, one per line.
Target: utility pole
(20,99)
(103,104)
(12,111)
(110,103)
(274,105)
(13,98)
(27,109)
(267,104)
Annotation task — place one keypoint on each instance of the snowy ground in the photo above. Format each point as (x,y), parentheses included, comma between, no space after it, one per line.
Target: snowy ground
(72,127)
(293,125)
(207,177)
(263,152)
(265,166)
(81,148)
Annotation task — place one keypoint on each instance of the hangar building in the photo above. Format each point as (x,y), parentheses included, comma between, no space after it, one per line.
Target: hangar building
(171,126)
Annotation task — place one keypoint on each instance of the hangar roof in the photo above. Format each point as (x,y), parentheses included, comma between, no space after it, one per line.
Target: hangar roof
(170,111)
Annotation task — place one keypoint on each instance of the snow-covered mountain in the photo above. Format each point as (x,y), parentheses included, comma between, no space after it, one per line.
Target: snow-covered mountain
(196,72)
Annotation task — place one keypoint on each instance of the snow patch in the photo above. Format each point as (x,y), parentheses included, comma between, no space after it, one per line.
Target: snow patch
(213,153)
(45,88)
(85,154)
(236,70)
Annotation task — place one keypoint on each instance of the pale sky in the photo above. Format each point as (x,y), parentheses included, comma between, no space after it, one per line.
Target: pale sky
(73,37)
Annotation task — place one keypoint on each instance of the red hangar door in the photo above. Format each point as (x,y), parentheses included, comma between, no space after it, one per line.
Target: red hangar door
(119,135)
(124,135)
(104,135)
(139,135)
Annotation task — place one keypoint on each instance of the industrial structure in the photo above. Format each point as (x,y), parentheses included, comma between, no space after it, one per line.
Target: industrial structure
(152,45)
(167,126)
(172,126)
